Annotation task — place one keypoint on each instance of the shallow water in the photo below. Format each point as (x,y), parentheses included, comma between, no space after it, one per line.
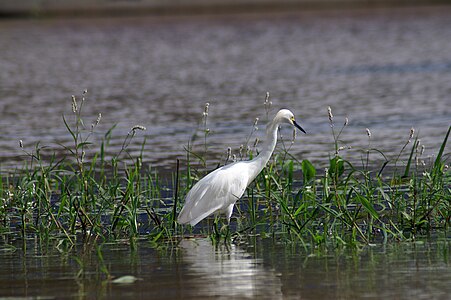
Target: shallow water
(195,269)
(386,70)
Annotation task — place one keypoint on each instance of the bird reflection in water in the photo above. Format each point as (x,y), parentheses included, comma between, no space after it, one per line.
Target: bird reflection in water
(226,271)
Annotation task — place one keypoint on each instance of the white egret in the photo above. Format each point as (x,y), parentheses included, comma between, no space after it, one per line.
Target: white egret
(220,189)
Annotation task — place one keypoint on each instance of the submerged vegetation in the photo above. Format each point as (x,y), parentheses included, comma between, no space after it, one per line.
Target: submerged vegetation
(89,193)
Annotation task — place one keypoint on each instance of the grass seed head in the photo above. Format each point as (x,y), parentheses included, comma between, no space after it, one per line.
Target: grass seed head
(138,127)
(331,116)
(205,113)
(74,104)
(267,102)
(97,121)
(256,142)
(99,117)
(255,124)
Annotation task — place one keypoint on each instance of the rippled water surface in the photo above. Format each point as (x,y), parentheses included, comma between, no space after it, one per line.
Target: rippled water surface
(195,269)
(386,70)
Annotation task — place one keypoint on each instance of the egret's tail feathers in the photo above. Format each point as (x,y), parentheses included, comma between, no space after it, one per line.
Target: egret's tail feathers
(188,217)
(183,218)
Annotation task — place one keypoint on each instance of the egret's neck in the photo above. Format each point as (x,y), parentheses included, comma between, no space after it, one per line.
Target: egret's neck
(268,148)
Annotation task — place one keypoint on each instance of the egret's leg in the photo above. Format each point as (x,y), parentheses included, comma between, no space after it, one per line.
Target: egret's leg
(215,227)
(228,212)
(227,232)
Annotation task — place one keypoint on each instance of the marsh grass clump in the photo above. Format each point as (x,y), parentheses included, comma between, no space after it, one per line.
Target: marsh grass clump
(392,199)
(378,200)
(348,204)
(83,192)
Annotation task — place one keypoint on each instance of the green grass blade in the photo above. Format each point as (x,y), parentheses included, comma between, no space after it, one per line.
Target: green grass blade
(442,149)
(409,161)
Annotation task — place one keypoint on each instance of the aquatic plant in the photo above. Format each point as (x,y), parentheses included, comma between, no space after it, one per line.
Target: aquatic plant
(82,191)
(349,204)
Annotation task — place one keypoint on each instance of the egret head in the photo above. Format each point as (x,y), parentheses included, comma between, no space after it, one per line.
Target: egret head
(286,116)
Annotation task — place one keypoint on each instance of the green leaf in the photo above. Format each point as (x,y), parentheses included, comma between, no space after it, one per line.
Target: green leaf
(289,169)
(336,167)
(72,133)
(368,206)
(308,170)
(80,145)
(409,162)
(438,160)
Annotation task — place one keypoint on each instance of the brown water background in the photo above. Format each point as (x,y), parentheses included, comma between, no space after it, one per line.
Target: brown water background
(384,69)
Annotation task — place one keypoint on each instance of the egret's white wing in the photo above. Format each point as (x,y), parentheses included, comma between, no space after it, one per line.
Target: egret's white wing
(214,192)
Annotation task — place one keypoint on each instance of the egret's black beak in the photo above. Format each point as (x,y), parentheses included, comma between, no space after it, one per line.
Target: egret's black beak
(299,127)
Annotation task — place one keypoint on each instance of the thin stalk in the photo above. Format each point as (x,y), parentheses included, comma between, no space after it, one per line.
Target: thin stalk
(176,193)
